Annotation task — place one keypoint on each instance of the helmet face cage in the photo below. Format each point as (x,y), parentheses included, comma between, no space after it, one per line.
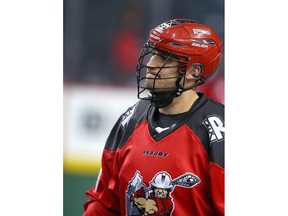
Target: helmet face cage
(147,52)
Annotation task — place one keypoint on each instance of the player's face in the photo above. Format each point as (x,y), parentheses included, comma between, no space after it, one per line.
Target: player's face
(161,78)
(160,193)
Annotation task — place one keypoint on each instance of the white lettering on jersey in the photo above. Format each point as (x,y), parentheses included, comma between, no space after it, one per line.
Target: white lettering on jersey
(127,116)
(215,127)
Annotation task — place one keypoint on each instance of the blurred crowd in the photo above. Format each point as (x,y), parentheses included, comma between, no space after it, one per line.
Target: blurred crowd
(102,39)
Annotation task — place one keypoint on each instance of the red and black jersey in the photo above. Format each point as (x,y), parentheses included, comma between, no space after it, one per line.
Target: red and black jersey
(182,163)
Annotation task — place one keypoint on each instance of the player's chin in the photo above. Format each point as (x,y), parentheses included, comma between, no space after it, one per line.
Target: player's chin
(149,87)
(152,86)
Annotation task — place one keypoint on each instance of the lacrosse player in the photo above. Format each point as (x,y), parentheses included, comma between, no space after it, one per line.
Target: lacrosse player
(165,154)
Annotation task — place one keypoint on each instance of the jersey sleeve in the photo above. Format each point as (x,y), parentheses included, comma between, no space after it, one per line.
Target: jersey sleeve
(104,196)
(217,177)
(216,161)
(217,188)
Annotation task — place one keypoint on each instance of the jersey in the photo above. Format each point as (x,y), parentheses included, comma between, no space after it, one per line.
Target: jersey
(177,170)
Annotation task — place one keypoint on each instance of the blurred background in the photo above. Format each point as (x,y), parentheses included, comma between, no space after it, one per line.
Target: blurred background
(102,40)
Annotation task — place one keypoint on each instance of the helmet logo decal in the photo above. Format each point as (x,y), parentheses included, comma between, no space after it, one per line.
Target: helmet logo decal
(199,45)
(154,36)
(155,199)
(197,31)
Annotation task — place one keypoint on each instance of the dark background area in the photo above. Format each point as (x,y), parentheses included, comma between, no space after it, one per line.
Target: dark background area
(102,39)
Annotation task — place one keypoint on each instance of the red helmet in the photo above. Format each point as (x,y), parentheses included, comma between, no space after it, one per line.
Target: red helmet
(187,38)
(187,42)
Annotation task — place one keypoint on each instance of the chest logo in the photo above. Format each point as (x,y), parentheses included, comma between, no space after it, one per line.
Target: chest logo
(155,153)
(155,199)
(215,127)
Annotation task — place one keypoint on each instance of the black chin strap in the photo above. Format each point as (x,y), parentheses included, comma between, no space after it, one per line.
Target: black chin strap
(163,99)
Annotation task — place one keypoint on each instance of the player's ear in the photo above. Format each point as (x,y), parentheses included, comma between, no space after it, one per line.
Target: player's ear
(193,72)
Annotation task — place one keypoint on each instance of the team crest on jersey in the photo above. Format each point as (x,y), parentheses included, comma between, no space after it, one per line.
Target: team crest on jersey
(215,127)
(155,199)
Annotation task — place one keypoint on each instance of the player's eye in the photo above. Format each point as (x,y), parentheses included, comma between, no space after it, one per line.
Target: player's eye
(164,57)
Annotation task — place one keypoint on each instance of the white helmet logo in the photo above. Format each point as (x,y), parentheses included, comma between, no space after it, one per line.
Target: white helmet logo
(197,31)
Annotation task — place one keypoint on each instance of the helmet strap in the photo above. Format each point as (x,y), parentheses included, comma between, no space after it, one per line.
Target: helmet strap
(163,99)
(179,87)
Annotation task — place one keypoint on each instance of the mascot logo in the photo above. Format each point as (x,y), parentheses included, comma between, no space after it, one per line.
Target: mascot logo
(155,199)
